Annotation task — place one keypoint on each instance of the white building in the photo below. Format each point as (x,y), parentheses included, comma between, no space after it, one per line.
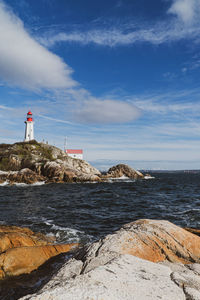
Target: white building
(29,133)
(75,153)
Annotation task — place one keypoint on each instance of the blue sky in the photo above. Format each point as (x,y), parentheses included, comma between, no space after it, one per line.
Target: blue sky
(119,79)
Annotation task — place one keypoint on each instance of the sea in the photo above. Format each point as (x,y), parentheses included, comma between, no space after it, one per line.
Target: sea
(86,212)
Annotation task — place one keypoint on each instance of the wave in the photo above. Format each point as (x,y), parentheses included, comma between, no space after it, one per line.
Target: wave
(120,179)
(147,177)
(65,234)
(38,183)
(22,184)
(4,183)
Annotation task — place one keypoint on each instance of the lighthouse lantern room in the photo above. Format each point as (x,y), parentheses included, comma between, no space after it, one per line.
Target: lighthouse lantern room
(29,133)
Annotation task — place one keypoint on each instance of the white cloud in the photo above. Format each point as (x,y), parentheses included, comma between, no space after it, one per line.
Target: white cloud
(106,111)
(158,34)
(182,21)
(24,62)
(5,107)
(186,10)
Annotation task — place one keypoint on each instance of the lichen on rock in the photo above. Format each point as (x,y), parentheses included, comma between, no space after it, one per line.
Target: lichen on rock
(143,260)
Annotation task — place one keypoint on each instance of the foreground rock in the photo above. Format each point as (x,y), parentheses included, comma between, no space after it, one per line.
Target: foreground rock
(124,266)
(22,251)
(123,278)
(152,240)
(24,260)
(122,170)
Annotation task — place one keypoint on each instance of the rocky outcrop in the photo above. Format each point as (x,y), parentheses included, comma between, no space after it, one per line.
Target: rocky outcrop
(23,260)
(123,278)
(143,260)
(22,250)
(23,176)
(123,170)
(151,240)
(32,161)
(70,170)
(12,237)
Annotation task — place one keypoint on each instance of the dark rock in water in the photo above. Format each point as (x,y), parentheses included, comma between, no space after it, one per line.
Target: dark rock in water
(123,170)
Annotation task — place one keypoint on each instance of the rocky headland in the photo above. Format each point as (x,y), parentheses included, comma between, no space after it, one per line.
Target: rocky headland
(145,259)
(31,162)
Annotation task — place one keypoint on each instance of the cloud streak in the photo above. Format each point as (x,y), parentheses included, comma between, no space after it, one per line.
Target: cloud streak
(182,22)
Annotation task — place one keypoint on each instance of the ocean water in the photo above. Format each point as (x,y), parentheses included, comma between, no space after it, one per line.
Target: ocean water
(86,212)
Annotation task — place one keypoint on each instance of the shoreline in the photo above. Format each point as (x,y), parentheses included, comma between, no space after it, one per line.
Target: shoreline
(123,254)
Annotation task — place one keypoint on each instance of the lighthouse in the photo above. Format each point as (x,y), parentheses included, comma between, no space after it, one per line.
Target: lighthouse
(29,134)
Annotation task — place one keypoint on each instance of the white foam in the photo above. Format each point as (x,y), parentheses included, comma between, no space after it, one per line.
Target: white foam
(20,184)
(8,172)
(48,222)
(71,230)
(149,177)
(4,183)
(3,172)
(38,183)
(118,179)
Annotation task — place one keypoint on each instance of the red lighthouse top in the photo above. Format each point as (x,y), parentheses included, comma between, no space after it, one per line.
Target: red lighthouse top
(29,116)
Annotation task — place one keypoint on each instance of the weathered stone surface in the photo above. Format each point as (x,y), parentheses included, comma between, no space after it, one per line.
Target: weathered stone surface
(23,260)
(13,239)
(13,236)
(23,176)
(53,170)
(42,162)
(193,230)
(123,278)
(186,277)
(148,239)
(123,170)
(109,268)
(22,250)
(70,170)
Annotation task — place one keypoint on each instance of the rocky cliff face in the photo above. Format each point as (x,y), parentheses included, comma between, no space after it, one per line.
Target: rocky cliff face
(32,161)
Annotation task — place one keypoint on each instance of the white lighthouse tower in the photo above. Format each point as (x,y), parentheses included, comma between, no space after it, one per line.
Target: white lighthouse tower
(29,133)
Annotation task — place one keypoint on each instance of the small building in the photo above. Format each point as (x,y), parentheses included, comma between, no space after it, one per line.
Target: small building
(75,153)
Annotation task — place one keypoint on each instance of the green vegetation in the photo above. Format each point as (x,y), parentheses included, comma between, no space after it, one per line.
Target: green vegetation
(4,164)
(22,154)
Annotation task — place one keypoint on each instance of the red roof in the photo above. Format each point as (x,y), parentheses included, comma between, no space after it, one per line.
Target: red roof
(29,113)
(74,151)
